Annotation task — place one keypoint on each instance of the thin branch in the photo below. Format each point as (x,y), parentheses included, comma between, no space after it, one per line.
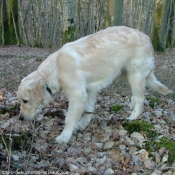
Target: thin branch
(17,38)
(2,24)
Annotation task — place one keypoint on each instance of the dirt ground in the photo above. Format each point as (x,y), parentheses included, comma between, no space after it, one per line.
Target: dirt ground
(106,146)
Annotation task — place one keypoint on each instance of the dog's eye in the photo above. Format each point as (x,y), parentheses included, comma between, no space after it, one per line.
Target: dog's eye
(24,101)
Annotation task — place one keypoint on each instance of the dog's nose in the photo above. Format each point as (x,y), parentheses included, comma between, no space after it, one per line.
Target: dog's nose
(21,117)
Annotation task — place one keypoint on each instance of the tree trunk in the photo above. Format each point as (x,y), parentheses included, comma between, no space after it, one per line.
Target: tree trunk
(9,32)
(164,24)
(114,13)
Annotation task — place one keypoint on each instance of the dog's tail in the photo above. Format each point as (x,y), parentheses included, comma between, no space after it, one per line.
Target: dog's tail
(157,86)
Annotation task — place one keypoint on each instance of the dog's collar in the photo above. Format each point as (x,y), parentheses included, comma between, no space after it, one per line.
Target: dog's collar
(48,89)
(46,85)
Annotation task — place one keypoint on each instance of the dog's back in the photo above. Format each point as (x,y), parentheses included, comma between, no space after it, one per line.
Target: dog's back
(104,55)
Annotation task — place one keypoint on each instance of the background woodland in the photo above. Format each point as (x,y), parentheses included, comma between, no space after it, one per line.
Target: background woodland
(52,23)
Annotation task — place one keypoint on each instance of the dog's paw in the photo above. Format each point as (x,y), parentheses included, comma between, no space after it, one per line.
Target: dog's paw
(64,137)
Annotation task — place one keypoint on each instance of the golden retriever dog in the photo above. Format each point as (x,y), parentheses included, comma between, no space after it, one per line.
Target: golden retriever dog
(80,69)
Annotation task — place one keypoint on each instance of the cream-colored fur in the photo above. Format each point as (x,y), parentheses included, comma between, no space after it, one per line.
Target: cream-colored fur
(83,67)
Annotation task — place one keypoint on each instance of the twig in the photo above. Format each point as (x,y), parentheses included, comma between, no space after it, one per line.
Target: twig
(10,146)
(30,151)
(8,151)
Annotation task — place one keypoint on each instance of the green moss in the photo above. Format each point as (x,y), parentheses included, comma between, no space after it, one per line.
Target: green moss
(39,59)
(16,106)
(116,108)
(169,145)
(68,35)
(173,96)
(166,143)
(153,101)
(140,126)
(2,111)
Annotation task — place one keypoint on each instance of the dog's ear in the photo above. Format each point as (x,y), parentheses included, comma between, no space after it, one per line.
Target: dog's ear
(36,90)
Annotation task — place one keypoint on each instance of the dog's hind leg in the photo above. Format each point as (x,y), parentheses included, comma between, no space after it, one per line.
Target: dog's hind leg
(89,109)
(137,83)
(77,101)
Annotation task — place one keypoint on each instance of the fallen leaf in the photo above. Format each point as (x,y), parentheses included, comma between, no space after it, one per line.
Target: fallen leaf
(157,172)
(165,158)
(149,164)
(143,154)
(109,144)
(108,171)
(122,132)
(73,167)
(139,137)
(15,157)
(129,141)
(114,154)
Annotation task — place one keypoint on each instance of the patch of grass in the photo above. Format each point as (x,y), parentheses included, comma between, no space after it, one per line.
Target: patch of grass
(153,101)
(140,126)
(116,108)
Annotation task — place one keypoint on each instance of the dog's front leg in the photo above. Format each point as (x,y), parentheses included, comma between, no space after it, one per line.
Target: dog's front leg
(76,108)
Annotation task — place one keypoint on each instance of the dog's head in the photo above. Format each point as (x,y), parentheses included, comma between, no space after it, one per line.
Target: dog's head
(33,94)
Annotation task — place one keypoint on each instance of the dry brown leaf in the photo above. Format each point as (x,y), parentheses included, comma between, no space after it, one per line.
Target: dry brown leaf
(129,141)
(114,154)
(162,150)
(108,171)
(73,167)
(157,172)
(122,132)
(143,154)
(149,164)
(132,149)
(109,144)
(139,137)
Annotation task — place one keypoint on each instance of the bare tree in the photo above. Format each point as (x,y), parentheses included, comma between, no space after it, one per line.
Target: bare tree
(166,30)
(114,13)
(9,33)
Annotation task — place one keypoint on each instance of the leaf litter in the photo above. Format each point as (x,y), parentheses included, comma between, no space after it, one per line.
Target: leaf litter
(105,147)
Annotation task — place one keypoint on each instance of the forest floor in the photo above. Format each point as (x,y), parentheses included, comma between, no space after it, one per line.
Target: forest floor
(109,145)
